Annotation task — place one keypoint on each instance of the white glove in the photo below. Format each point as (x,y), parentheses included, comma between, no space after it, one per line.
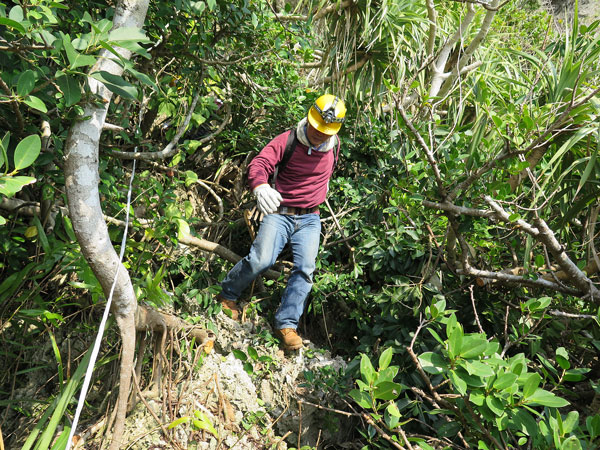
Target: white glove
(267,199)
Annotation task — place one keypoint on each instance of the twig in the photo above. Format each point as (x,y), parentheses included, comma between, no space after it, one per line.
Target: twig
(557,313)
(579,279)
(331,8)
(339,227)
(325,408)
(171,147)
(475,310)
(384,435)
(281,439)
(430,157)
(162,426)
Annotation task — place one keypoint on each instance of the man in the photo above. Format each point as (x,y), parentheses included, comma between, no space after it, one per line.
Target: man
(291,208)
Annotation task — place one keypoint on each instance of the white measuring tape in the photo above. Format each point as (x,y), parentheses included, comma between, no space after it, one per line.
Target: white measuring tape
(96,349)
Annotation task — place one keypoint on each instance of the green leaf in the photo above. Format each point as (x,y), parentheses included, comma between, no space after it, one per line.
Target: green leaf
(190,178)
(571,443)
(531,384)
(203,422)
(128,34)
(495,405)
(12,24)
(479,368)
(35,103)
(539,261)
(562,358)
(448,429)
(387,374)
(252,353)
(211,4)
(42,238)
(432,363)
(142,77)
(473,346)
(69,87)
(57,408)
(576,374)
(477,398)
(458,382)
(179,421)
(455,340)
(366,369)
(386,358)
(388,390)
(542,397)
(570,422)
(26,83)
(198,8)
(588,170)
(393,410)
(523,421)
(116,84)
(27,151)
(592,425)
(9,186)
(239,354)
(361,398)
(505,380)
(75,58)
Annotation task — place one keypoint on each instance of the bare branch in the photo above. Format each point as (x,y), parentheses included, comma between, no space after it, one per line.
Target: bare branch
(171,147)
(567,315)
(440,63)
(489,165)
(432,16)
(516,280)
(458,210)
(503,215)
(576,276)
(291,17)
(16,47)
(332,8)
(349,69)
(111,127)
(426,149)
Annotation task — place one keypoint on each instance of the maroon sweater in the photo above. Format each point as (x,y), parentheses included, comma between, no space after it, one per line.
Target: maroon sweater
(304,182)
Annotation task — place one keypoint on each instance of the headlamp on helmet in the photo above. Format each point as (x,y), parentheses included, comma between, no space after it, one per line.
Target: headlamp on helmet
(327,114)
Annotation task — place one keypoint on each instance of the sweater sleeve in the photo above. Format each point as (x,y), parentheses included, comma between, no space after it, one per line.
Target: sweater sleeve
(263,164)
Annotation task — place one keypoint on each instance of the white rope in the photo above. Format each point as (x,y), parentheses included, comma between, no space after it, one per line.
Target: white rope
(96,349)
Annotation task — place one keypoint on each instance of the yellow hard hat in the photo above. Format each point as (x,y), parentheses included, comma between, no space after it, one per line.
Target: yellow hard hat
(327,114)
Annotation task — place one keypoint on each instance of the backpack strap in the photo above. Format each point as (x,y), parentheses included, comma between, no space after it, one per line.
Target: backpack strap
(336,153)
(290,146)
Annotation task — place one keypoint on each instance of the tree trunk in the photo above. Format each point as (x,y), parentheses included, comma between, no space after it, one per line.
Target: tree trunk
(81,183)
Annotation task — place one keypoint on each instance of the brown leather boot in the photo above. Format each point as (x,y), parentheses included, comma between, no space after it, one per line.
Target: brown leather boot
(289,338)
(230,305)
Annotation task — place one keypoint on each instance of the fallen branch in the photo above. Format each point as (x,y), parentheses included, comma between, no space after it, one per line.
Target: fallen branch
(223,252)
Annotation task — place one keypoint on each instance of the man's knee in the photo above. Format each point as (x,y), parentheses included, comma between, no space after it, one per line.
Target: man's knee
(259,263)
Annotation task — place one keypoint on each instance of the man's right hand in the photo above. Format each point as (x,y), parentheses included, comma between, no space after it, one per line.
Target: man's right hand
(267,199)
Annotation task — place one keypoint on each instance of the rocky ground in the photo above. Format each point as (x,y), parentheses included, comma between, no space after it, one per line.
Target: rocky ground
(245,394)
(589,10)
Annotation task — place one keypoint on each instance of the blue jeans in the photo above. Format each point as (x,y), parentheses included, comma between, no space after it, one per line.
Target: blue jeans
(303,234)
